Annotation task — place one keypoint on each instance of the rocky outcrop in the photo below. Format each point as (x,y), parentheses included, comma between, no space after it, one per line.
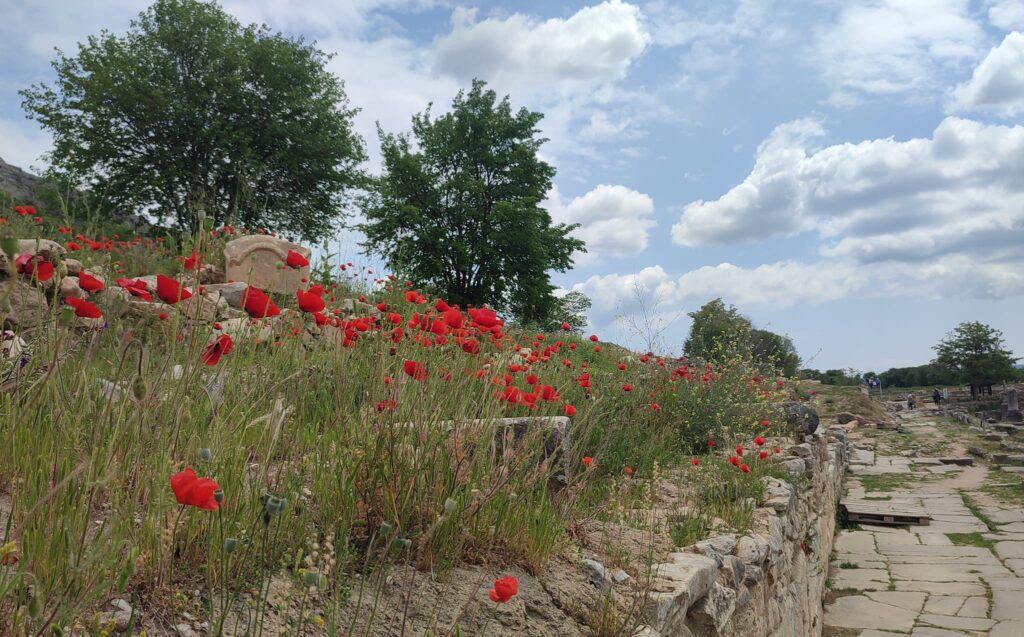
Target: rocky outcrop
(771,581)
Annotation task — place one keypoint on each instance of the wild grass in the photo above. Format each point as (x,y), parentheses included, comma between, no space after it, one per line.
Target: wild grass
(335,465)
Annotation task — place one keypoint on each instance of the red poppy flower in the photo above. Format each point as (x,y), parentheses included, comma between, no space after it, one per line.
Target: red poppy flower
(258,304)
(593,338)
(777,450)
(296,260)
(34,266)
(627,387)
(568,410)
(733,460)
(219,347)
(309,302)
(170,291)
(83,308)
(762,454)
(628,470)
(89,283)
(711,443)
(192,262)
(764,423)
(744,468)
(72,246)
(566,327)
(588,462)
(694,461)
(136,288)
(191,490)
(414,370)
(739,450)
(504,589)
(163,316)
(759,441)
(655,407)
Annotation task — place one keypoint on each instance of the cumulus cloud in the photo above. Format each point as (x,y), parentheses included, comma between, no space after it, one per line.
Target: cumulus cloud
(997,84)
(877,200)
(889,47)
(778,285)
(1006,14)
(614,221)
(595,45)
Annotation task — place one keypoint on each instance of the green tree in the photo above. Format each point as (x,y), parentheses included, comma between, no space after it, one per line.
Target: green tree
(973,352)
(190,115)
(718,332)
(460,211)
(775,350)
(572,309)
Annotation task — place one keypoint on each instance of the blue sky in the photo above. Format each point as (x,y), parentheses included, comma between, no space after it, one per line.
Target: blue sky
(848,172)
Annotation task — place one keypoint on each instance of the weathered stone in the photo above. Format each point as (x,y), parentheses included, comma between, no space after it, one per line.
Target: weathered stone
(857,611)
(800,418)
(49,250)
(794,466)
(752,549)
(11,345)
(720,544)
(595,572)
(25,305)
(258,261)
(691,577)
(712,612)
(74,266)
(620,576)
(69,288)
(230,293)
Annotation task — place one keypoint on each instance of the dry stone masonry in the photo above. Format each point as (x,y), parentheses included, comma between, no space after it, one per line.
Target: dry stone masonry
(767,583)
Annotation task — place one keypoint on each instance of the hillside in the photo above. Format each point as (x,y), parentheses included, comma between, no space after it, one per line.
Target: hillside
(19,184)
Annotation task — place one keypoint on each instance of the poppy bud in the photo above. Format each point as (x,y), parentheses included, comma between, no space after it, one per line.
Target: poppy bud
(205,454)
(33,604)
(385,529)
(403,543)
(139,388)
(218,496)
(449,506)
(230,545)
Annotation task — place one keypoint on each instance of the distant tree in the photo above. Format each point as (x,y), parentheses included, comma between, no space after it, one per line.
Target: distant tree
(718,332)
(973,352)
(840,377)
(774,350)
(459,209)
(928,375)
(572,309)
(190,115)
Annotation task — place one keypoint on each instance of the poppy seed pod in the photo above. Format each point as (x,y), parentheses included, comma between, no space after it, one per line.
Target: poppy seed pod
(449,506)
(205,454)
(230,545)
(218,496)
(385,529)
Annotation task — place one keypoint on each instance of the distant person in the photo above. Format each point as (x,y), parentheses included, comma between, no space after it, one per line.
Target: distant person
(910,401)
(936,396)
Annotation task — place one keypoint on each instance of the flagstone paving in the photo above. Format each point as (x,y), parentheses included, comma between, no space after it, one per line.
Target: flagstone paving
(888,581)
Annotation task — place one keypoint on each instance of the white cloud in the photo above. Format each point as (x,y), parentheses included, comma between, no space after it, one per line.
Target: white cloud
(766,203)
(998,82)
(614,221)
(777,285)
(877,200)
(1006,14)
(889,47)
(596,45)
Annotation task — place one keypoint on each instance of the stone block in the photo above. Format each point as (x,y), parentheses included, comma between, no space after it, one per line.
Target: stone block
(690,577)
(712,612)
(258,261)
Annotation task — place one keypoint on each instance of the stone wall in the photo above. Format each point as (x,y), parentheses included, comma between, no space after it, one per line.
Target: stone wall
(770,582)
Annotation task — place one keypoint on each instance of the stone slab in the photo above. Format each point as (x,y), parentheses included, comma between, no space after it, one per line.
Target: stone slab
(857,611)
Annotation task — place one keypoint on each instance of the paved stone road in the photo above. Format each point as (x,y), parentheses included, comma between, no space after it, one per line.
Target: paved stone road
(890,581)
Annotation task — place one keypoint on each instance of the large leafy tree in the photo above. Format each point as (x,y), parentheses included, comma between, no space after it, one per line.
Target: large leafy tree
(718,331)
(190,115)
(974,353)
(458,207)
